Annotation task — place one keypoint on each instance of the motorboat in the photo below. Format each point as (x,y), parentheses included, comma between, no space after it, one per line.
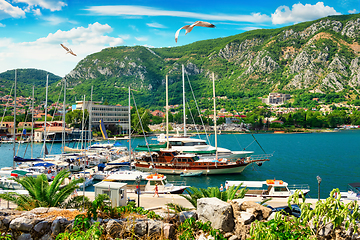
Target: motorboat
(147,182)
(352,193)
(270,188)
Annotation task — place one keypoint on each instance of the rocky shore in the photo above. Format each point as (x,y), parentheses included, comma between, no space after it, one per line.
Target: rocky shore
(233,219)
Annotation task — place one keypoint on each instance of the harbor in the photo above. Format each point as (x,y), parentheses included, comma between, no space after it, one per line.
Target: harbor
(297,159)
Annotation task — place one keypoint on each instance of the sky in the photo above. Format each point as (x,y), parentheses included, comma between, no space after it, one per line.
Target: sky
(31,31)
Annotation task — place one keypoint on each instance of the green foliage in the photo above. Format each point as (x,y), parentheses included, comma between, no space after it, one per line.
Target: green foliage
(196,193)
(74,118)
(176,207)
(41,193)
(189,228)
(5,236)
(92,233)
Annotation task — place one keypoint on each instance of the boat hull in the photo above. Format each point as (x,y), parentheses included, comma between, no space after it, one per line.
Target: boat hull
(206,171)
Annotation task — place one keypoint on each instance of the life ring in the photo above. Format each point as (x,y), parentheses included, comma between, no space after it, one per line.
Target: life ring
(49,171)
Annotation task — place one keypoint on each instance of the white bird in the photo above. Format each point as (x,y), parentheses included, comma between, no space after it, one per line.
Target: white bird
(189,28)
(68,50)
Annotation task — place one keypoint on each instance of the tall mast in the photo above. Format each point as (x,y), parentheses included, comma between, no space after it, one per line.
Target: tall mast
(129,112)
(82,125)
(46,97)
(64,109)
(183,80)
(90,117)
(14,116)
(213,77)
(32,122)
(167,113)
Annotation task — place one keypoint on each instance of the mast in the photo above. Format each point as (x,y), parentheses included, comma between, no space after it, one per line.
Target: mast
(90,117)
(64,109)
(129,112)
(32,122)
(183,80)
(167,113)
(213,77)
(46,97)
(14,117)
(82,124)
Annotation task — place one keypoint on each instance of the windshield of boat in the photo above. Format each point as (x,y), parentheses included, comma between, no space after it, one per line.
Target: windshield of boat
(194,143)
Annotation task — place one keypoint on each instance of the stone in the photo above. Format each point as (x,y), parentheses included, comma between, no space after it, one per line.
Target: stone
(154,227)
(21,224)
(42,227)
(265,212)
(139,227)
(217,212)
(187,214)
(55,227)
(327,229)
(46,237)
(228,234)
(25,236)
(246,218)
(169,231)
(114,227)
(205,237)
(233,237)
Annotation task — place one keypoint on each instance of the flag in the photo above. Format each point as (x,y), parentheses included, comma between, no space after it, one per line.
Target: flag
(24,131)
(103,130)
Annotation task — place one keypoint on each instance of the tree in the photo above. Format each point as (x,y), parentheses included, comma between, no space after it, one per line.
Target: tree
(145,120)
(74,118)
(41,193)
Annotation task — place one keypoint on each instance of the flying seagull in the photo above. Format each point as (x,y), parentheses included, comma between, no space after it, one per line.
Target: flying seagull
(189,28)
(68,50)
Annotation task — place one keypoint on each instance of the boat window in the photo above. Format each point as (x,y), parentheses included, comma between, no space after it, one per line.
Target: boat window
(164,182)
(176,143)
(168,154)
(280,189)
(152,183)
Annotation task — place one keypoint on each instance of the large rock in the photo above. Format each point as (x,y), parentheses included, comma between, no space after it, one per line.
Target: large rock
(42,227)
(138,227)
(246,218)
(217,212)
(169,231)
(22,224)
(25,236)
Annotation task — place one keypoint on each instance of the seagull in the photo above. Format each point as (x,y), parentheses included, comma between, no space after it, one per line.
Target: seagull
(68,50)
(189,28)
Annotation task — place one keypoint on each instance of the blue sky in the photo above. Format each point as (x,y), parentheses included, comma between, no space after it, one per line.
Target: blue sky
(31,30)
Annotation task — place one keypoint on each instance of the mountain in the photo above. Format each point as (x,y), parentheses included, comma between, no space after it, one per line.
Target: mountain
(319,58)
(26,78)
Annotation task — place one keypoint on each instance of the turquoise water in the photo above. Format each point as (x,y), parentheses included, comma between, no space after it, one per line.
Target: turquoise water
(297,159)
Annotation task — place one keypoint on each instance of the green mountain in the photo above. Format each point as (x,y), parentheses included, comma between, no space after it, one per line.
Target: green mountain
(312,59)
(26,78)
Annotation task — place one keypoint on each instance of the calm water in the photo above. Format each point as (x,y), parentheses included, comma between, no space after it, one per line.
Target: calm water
(298,158)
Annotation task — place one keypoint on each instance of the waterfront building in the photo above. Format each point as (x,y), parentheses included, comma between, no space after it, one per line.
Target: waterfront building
(112,116)
(276,98)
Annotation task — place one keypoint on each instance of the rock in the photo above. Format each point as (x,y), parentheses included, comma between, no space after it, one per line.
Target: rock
(205,237)
(24,236)
(169,231)
(46,237)
(233,237)
(265,212)
(228,234)
(327,229)
(42,227)
(21,224)
(187,214)
(219,213)
(246,218)
(139,227)
(154,227)
(55,227)
(114,227)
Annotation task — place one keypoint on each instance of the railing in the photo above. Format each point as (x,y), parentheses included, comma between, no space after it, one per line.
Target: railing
(261,156)
(299,187)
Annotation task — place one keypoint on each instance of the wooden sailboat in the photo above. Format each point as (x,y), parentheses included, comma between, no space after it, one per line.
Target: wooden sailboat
(171,162)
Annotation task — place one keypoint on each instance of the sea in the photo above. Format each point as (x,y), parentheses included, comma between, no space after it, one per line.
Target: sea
(298,158)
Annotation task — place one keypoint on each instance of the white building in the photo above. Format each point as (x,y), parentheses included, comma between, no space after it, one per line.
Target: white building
(110,115)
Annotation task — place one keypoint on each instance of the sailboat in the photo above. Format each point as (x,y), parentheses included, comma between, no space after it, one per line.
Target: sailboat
(185,144)
(169,161)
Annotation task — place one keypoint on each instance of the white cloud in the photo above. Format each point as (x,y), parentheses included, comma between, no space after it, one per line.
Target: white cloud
(249,28)
(155,25)
(37,12)
(129,10)
(7,10)
(46,53)
(352,11)
(52,5)
(300,13)
(125,36)
(2,25)
(141,39)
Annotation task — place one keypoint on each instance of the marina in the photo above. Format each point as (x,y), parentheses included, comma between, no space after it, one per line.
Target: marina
(298,158)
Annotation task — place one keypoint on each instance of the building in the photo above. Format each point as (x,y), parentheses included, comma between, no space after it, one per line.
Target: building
(112,116)
(276,98)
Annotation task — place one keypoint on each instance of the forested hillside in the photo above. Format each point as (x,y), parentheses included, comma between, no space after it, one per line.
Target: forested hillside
(312,59)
